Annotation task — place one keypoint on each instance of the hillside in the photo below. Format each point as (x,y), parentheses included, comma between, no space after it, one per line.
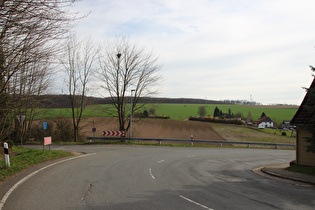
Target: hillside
(149,128)
(175,129)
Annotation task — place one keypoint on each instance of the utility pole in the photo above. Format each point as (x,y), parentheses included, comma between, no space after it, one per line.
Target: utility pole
(131,106)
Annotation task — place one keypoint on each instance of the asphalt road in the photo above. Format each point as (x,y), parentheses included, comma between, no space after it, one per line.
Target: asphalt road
(141,177)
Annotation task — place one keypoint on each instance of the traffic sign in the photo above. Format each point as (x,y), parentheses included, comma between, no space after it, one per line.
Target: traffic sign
(47,140)
(45,125)
(20,118)
(113,133)
(94,129)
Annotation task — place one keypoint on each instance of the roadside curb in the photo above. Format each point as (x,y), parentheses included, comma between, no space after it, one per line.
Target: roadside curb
(280,172)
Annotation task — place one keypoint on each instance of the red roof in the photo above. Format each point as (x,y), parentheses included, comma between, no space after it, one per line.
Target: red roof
(262,120)
(303,115)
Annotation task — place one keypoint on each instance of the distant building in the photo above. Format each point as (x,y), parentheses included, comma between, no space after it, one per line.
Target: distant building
(248,123)
(264,122)
(285,124)
(303,118)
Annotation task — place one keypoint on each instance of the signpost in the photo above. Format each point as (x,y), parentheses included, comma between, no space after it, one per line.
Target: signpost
(47,140)
(93,130)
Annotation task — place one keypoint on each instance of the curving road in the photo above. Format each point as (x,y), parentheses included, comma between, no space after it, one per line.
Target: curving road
(141,177)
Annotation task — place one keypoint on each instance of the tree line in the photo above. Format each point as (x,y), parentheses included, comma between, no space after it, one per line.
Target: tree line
(63,101)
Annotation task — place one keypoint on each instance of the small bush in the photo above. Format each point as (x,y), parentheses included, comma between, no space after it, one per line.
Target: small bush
(283,133)
(59,129)
(218,120)
(63,130)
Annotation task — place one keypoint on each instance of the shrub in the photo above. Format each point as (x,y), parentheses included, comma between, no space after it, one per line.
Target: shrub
(218,120)
(59,129)
(152,111)
(63,130)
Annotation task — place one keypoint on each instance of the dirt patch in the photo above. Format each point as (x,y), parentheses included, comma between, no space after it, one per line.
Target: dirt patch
(153,128)
(77,153)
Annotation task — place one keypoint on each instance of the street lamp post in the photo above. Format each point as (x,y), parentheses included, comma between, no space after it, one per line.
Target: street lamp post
(131,105)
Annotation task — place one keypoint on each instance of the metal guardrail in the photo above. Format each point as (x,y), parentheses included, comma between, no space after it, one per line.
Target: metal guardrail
(192,141)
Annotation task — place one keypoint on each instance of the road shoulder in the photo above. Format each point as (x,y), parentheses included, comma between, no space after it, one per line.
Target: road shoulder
(280,172)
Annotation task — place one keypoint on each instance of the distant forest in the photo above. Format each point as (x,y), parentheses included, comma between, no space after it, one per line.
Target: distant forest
(63,101)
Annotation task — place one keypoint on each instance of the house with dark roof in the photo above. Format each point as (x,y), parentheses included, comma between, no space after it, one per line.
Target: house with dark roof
(303,119)
(264,122)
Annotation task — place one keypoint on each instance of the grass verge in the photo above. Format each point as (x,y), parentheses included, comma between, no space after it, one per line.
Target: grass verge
(302,169)
(26,157)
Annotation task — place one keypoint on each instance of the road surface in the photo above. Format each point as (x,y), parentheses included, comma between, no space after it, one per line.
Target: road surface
(143,177)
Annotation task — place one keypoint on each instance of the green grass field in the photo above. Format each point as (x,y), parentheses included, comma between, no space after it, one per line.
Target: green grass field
(181,111)
(248,134)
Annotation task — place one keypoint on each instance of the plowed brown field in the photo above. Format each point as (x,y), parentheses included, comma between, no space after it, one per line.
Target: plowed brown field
(153,128)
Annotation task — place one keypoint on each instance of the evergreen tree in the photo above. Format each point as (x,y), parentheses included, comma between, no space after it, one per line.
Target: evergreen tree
(145,113)
(216,112)
(263,115)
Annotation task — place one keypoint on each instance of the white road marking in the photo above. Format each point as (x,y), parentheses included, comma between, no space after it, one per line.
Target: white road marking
(150,171)
(161,161)
(6,196)
(196,203)
(213,161)
(191,156)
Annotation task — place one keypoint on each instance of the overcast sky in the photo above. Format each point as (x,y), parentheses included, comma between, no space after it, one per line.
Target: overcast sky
(216,49)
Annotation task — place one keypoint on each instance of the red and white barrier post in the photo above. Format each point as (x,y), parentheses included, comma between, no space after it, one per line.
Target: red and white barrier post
(113,133)
(6,154)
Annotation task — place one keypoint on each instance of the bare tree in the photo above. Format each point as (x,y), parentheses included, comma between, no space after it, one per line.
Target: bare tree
(78,61)
(28,86)
(28,29)
(249,117)
(202,111)
(127,70)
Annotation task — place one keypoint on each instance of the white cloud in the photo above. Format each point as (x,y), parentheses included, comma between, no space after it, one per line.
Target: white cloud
(216,49)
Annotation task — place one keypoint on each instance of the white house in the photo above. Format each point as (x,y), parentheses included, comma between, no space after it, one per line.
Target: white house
(264,122)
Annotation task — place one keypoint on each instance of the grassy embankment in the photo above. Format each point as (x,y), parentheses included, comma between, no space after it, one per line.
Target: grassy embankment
(22,158)
(247,134)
